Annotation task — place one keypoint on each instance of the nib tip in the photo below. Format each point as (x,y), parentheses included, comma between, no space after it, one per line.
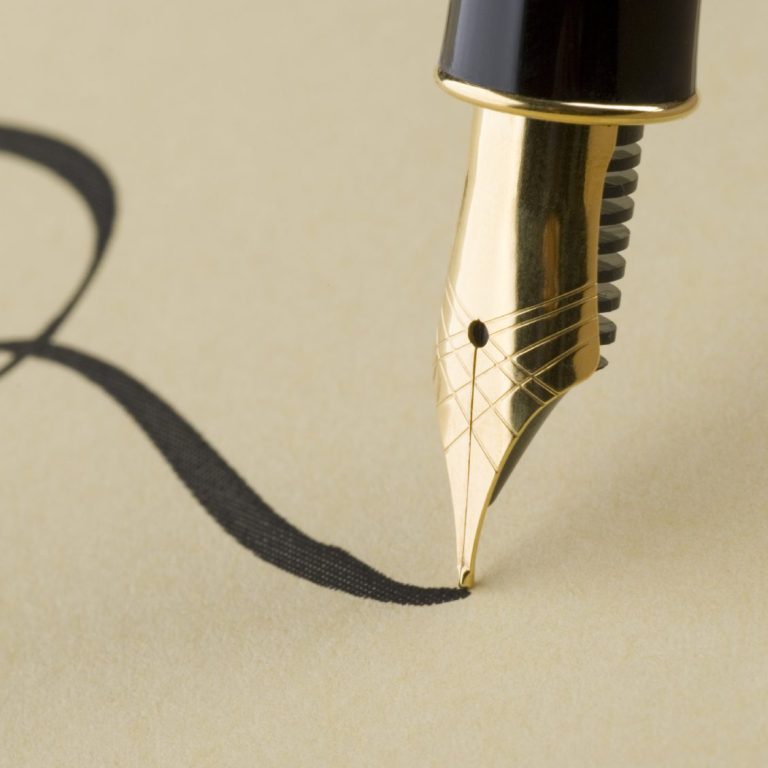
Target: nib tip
(466,577)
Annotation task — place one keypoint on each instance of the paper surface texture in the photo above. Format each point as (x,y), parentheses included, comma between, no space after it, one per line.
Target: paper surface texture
(285,211)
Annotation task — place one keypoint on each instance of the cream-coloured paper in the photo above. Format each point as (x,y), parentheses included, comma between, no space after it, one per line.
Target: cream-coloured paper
(286,210)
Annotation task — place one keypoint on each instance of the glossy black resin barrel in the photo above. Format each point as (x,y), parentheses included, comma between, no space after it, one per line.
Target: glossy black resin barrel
(612,52)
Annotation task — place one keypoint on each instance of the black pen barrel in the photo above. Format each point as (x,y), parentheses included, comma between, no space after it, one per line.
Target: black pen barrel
(606,52)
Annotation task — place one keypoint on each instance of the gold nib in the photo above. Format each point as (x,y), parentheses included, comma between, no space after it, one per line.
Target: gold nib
(519,322)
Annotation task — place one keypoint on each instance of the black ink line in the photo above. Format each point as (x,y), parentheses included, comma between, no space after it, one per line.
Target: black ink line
(227,497)
(215,485)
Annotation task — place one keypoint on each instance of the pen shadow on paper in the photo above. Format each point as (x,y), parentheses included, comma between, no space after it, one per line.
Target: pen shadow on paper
(218,488)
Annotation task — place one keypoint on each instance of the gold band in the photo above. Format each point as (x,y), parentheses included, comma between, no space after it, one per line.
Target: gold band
(582,113)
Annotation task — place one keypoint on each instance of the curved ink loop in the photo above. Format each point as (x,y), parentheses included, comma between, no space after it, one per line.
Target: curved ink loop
(216,485)
(89,180)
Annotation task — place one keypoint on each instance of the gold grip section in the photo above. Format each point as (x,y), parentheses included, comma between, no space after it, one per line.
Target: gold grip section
(519,323)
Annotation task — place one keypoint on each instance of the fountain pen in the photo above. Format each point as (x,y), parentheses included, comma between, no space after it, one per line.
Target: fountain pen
(561,91)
